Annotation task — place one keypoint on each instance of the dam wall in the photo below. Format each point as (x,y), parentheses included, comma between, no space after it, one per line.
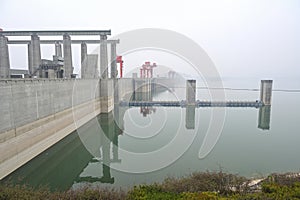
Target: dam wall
(26,101)
(124,88)
(37,113)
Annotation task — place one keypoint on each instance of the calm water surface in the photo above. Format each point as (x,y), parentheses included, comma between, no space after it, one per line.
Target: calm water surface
(116,149)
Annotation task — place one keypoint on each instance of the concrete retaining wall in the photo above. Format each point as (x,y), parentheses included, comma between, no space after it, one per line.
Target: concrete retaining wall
(35,114)
(25,101)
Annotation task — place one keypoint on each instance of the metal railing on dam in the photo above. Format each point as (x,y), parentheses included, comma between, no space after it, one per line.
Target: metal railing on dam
(183,103)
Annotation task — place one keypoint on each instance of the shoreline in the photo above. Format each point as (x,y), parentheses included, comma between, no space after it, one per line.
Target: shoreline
(198,185)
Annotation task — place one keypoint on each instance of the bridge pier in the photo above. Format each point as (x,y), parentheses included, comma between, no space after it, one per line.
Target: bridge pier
(4,58)
(266,91)
(68,65)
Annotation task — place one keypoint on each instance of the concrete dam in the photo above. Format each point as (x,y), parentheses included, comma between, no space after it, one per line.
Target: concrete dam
(42,105)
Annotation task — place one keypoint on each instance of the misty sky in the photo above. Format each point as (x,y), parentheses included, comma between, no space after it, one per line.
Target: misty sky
(251,38)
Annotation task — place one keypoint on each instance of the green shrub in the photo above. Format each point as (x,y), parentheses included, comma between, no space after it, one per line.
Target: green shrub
(197,186)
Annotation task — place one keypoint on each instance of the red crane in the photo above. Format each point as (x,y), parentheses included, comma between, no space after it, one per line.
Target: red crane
(146,71)
(119,60)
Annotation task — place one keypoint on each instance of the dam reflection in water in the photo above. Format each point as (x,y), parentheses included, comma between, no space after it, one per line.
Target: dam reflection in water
(62,165)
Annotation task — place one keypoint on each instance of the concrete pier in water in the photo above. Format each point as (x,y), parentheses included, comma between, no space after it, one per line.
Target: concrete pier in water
(191,92)
(266,91)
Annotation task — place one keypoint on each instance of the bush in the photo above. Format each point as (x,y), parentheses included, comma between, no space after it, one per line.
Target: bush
(197,186)
(204,181)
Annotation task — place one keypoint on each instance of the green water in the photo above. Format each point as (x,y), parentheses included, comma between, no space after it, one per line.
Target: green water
(132,146)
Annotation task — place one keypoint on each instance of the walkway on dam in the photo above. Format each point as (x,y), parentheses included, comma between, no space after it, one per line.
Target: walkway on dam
(255,104)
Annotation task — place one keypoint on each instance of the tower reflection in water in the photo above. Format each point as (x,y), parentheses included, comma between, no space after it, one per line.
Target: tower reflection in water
(264,117)
(109,137)
(60,166)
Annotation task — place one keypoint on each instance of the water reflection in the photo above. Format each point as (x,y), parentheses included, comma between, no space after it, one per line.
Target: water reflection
(190,117)
(147,110)
(70,161)
(57,167)
(264,117)
(62,164)
(111,131)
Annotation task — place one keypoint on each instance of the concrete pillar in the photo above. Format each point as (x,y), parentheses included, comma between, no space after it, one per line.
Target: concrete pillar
(83,51)
(4,58)
(36,54)
(68,65)
(83,60)
(103,57)
(30,59)
(266,91)
(44,74)
(58,50)
(264,117)
(191,92)
(113,63)
(106,95)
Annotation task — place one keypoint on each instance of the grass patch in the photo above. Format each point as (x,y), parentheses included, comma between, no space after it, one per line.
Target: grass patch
(197,186)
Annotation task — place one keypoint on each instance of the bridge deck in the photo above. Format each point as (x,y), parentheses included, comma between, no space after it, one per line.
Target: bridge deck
(254,104)
(61,41)
(55,32)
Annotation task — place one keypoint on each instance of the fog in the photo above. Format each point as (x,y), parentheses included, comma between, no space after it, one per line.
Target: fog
(249,38)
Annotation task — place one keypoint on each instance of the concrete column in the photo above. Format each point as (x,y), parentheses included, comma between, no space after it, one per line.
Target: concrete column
(106,95)
(113,63)
(4,58)
(103,57)
(58,50)
(266,91)
(83,60)
(43,74)
(191,92)
(68,65)
(51,73)
(30,59)
(36,54)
